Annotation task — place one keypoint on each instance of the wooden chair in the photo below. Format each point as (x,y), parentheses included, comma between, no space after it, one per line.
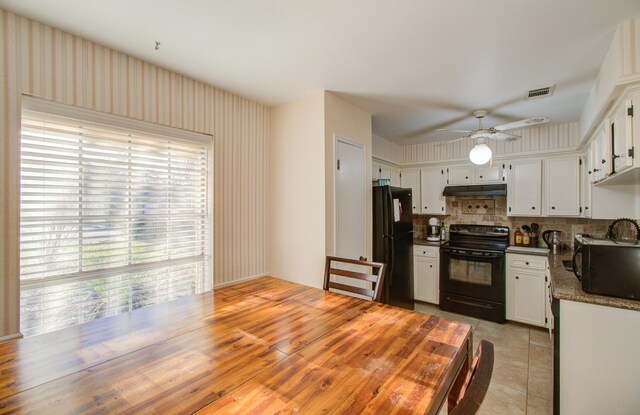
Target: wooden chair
(376,277)
(470,393)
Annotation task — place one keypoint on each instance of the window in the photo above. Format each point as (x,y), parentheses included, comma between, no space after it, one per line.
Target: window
(115,215)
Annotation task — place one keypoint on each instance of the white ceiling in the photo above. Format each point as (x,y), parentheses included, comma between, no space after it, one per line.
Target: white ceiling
(416,65)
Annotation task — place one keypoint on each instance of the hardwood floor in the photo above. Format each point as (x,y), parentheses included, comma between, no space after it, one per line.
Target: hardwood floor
(261,346)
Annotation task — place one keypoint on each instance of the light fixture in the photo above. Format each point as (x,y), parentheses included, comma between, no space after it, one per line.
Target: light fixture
(480,153)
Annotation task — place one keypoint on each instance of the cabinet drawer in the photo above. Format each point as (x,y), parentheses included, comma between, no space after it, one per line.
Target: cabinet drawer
(527,262)
(425,251)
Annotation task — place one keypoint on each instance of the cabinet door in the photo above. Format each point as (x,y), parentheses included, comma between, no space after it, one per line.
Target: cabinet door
(524,188)
(385,172)
(621,134)
(394,175)
(375,171)
(562,186)
(585,185)
(460,175)
(425,279)
(411,179)
(602,152)
(488,174)
(431,191)
(528,303)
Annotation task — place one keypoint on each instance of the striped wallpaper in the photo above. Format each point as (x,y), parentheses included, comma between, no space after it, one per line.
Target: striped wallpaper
(386,150)
(560,137)
(45,62)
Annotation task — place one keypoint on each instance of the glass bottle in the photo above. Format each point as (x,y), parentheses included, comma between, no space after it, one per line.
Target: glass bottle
(517,237)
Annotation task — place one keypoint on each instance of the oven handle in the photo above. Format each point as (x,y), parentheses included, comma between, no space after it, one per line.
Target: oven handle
(474,304)
(472,254)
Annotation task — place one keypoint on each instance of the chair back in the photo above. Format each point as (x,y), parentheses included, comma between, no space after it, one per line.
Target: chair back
(376,278)
(474,389)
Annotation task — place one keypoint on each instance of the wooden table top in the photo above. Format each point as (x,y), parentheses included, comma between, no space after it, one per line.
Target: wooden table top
(261,346)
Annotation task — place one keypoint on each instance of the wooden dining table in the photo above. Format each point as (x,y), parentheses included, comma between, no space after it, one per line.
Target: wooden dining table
(262,346)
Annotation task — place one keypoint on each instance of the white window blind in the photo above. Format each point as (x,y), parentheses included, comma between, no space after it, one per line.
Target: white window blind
(112,218)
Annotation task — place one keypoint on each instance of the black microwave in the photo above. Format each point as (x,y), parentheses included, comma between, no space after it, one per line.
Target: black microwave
(607,266)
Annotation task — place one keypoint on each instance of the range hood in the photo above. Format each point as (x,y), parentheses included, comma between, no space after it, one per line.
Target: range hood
(476,190)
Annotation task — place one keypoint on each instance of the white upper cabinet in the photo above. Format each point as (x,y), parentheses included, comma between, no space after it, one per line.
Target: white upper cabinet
(598,152)
(432,182)
(460,175)
(488,174)
(621,128)
(524,188)
(384,171)
(562,186)
(411,179)
(585,184)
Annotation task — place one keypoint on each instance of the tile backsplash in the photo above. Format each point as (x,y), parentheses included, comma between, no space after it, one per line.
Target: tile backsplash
(492,210)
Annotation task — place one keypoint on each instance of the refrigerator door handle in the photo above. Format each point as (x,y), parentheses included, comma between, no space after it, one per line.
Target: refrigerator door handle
(390,263)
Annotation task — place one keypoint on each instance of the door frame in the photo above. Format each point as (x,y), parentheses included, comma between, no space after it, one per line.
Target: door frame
(336,139)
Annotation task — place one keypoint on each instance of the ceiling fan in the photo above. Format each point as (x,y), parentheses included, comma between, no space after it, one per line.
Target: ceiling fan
(481,153)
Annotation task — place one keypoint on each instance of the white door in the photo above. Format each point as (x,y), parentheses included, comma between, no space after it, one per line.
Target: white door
(528,297)
(460,175)
(488,174)
(525,188)
(411,179)
(621,131)
(562,183)
(350,184)
(394,175)
(430,191)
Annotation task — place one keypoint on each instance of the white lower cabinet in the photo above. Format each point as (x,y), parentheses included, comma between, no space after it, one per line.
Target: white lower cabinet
(426,273)
(527,289)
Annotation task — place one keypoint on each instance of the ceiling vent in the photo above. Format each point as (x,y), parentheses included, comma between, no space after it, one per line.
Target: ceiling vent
(546,91)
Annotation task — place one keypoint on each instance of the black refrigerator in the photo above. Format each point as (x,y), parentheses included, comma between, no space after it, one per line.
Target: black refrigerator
(393,243)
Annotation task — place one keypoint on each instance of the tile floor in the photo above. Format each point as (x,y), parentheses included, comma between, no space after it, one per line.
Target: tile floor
(521,381)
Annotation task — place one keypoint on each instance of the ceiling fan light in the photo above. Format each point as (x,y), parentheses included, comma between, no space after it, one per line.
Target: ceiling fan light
(480,154)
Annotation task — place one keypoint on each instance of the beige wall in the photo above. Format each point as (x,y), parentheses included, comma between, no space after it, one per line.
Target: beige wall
(348,121)
(297,191)
(42,61)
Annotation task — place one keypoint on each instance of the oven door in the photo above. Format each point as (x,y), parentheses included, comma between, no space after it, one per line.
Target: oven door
(476,274)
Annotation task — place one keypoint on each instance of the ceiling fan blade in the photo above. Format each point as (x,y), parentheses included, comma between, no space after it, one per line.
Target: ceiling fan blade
(450,141)
(455,131)
(498,136)
(522,123)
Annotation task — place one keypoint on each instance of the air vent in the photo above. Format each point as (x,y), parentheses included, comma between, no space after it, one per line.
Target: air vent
(547,91)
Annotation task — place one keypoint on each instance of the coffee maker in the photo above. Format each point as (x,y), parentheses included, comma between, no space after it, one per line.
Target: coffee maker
(433,230)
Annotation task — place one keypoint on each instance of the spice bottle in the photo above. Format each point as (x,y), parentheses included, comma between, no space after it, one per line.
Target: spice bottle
(526,239)
(517,237)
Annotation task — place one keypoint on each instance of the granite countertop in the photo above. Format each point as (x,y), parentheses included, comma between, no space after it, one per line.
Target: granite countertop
(565,286)
(424,242)
(527,250)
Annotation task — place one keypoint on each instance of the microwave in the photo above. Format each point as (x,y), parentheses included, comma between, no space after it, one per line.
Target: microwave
(608,266)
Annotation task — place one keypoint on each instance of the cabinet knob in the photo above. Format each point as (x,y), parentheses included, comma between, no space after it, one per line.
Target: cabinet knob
(533,207)
(526,263)
(586,208)
(553,207)
(595,170)
(517,277)
(430,266)
(481,177)
(466,177)
(604,161)
(425,207)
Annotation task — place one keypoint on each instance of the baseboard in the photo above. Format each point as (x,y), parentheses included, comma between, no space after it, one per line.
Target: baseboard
(252,277)
(10,337)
